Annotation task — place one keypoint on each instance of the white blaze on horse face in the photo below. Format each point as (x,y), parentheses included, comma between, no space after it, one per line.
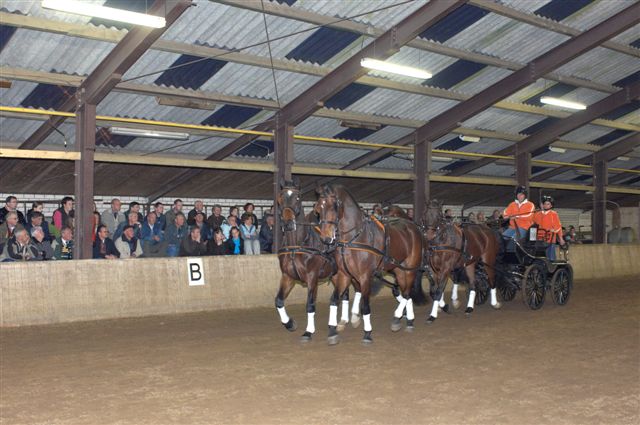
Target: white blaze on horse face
(333,315)
(311,323)
(367,323)
(472,299)
(454,292)
(402,303)
(284,317)
(355,308)
(494,298)
(410,314)
(344,312)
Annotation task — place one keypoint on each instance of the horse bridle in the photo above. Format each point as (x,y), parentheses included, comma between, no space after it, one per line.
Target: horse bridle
(295,210)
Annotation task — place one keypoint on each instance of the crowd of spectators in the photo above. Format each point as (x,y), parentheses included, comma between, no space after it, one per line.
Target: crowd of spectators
(129,234)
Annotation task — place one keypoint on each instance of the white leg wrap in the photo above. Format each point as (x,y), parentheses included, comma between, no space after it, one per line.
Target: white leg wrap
(434,309)
(333,315)
(402,303)
(311,322)
(355,308)
(284,317)
(454,292)
(344,311)
(494,299)
(399,298)
(441,302)
(367,322)
(472,299)
(410,314)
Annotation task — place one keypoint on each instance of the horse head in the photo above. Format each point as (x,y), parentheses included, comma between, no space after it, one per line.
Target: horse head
(329,209)
(433,215)
(289,204)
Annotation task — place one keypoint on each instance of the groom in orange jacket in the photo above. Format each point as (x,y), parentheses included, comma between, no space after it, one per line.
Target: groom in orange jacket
(549,227)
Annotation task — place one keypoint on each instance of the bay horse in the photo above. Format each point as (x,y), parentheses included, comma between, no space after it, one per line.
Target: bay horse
(450,247)
(302,258)
(364,247)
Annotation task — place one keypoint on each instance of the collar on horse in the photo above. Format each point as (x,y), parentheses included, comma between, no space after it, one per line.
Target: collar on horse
(462,250)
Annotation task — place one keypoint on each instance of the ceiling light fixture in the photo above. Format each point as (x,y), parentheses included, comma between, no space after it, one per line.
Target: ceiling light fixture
(103,12)
(136,132)
(393,68)
(557,149)
(562,103)
(441,159)
(623,158)
(358,124)
(470,139)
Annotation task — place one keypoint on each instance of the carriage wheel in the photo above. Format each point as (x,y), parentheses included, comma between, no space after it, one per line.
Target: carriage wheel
(561,286)
(507,290)
(533,286)
(482,293)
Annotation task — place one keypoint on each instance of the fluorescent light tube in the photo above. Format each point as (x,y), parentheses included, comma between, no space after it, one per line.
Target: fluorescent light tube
(623,158)
(103,12)
(393,68)
(151,134)
(556,149)
(470,139)
(441,159)
(563,103)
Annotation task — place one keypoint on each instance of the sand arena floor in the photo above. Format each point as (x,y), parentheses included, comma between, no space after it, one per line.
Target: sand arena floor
(578,364)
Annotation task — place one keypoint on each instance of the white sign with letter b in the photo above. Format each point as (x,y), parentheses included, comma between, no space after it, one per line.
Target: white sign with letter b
(195,270)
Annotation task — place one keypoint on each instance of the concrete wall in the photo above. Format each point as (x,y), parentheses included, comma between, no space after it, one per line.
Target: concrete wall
(66,291)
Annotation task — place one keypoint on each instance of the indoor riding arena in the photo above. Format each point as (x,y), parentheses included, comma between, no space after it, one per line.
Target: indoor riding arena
(320,212)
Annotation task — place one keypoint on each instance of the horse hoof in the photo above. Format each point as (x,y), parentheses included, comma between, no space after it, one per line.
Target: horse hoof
(342,325)
(456,304)
(410,326)
(431,319)
(306,337)
(497,306)
(396,325)
(468,311)
(366,339)
(447,309)
(355,321)
(333,339)
(291,325)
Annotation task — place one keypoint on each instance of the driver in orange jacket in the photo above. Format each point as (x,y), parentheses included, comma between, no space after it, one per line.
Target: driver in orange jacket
(519,213)
(549,227)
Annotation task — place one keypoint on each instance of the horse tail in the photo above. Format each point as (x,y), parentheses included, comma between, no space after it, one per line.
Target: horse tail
(417,293)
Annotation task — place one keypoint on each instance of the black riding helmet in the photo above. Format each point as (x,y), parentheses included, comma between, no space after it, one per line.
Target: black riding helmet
(521,189)
(547,198)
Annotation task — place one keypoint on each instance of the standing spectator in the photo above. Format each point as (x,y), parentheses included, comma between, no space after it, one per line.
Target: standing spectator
(37,220)
(43,246)
(96,224)
(248,210)
(216,219)
(133,220)
(174,211)
(112,217)
(158,208)
(19,247)
(37,206)
(471,218)
(235,242)
(410,213)
(249,235)
(198,207)
(104,247)
(63,245)
(11,205)
(232,221)
(205,231)
(216,245)
(480,218)
(192,245)
(128,244)
(152,237)
(570,236)
(175,233)
(133,207)
(8,228)
(62,216)
(266,235)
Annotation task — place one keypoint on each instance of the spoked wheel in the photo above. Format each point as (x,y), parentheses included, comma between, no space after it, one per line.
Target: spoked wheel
(482,293)
(482,286)
(561,286)
(507,290)
(533,286)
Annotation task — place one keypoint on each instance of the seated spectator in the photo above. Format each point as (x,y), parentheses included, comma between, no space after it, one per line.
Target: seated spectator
(480,218)
(112,217)
(7,228)
(571,235)
(153,244)
(377,211)
(216,245)
(205,230)
(128,244)
(235,242)
(216,219)
(96,225)
(37,220)
(266,235)
(133,207)
(11,205)
(133,220)
(174,235)
(104,247)
(410,213)
(19,247)
(248,210)
(448,214)
(234,212)
(197,208)
(266,214)
(36,206)
(158,208)
(62,216)
(170,215)
(249,235)
(192,245)
(63,245)
(471,218)
(43,246)
(232,221)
